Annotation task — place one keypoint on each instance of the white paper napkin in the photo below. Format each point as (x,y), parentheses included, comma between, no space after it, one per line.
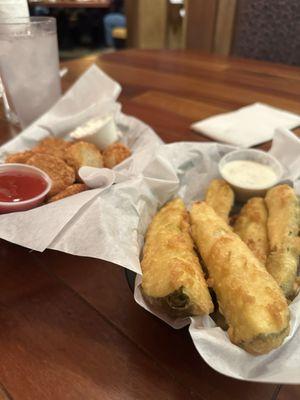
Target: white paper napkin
(248,126)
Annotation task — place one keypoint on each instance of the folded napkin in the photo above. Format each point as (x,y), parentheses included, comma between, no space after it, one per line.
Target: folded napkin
(248,126)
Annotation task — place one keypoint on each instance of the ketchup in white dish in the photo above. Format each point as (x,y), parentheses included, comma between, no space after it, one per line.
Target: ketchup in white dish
(249,174)
(22,187)
(18,186)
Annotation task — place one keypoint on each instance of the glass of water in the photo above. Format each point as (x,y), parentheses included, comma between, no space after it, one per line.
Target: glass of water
(29,67)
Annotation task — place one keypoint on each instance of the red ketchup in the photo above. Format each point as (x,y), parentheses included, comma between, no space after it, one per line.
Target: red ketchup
(18,186)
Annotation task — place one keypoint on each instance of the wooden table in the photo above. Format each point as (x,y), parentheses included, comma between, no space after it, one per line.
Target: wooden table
(71,4)
(70,328)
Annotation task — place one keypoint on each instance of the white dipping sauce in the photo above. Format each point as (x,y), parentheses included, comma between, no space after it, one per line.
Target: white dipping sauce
(249,174)
(100,131)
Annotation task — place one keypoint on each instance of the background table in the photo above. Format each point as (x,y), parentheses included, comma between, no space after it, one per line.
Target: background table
(70,328)
(72,4)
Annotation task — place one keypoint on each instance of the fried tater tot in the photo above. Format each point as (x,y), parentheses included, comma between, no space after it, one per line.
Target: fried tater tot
(251,226)
(82,154)
(251,301)
(53,146)
(283,229)
(20,158)
(220,197)
(115,154)
(61,174)
(172,276)
(69,191)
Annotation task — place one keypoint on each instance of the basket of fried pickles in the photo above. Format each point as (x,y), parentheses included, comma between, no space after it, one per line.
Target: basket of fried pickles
(241,269)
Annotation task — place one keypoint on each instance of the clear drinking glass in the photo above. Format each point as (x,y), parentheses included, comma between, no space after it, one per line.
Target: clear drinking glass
(29,67)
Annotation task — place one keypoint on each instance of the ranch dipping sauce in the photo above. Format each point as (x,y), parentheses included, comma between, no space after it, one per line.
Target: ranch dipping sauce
(100,131)
(249,174)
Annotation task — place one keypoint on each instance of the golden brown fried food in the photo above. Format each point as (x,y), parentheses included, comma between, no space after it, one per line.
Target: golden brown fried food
(115,154)
(20,158)
(220,197)
(283,229)
(52,145)
(61,174)
(69,191)
(172,276)
(82,154)
(251,226)
(249,298)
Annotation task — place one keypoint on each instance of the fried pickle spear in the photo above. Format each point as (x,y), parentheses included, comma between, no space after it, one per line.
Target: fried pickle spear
(283,229)
(220,197)
(249,298)
(251,226)
(172,276)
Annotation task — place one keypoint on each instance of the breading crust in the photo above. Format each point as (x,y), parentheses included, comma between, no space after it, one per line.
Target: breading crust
(53,146)
(20,157)
(61,174)
(115,154)
(69,191)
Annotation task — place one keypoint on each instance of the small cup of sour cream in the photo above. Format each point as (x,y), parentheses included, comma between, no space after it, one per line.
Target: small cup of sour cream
(250,172)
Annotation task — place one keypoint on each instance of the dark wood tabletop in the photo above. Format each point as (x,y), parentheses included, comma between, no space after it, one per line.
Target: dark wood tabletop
(71,3)
(70,328)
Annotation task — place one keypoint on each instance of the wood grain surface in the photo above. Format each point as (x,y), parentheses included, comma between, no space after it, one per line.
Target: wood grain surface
(70,328)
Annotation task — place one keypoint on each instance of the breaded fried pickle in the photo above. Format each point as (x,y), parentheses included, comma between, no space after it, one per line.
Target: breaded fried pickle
(283,229)
(114,154)
(82,154)
(249,298)
(53,146)
(172,276)
(69,191)
(20,157)
(220,197)
(61,174)
(251,226)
